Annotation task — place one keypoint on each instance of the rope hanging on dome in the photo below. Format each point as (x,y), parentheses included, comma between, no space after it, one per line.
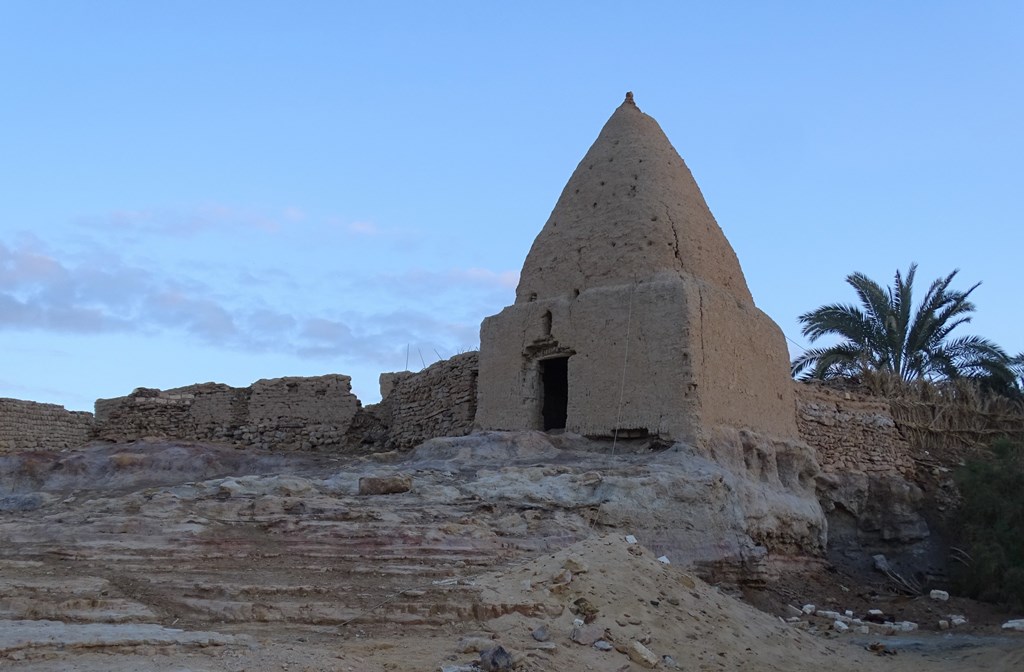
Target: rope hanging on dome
(625,361)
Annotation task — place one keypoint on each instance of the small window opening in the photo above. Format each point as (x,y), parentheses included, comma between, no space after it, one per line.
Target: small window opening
(545,322)
(554,376)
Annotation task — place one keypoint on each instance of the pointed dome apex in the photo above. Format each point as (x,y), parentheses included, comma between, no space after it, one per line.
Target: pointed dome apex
(630,212)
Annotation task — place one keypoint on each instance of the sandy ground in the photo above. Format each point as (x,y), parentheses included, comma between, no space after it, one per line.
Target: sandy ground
(271,573)
(625,593)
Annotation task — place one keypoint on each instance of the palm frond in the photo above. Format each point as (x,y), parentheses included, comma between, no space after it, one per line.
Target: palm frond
(885,333)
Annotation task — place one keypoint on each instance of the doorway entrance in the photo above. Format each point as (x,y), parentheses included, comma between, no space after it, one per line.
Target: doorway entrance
(554,380)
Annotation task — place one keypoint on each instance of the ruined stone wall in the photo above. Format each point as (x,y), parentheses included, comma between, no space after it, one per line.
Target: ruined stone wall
(28,425)
(301,413)
(438,401)
(851,432)
(280,413)
(194,412)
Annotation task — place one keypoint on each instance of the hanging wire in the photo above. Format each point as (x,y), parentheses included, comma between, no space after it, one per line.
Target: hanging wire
(625,361)
(795,343)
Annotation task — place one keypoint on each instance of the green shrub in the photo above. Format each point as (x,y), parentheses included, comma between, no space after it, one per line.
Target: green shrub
(990,525)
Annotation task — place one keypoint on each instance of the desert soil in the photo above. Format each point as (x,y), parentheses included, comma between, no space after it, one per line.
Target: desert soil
(155,556)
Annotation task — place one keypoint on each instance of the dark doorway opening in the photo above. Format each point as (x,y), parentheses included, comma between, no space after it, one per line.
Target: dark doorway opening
(554,380)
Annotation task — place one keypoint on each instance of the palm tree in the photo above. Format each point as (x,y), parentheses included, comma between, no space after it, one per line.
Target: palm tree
(1017,366)
(886,334)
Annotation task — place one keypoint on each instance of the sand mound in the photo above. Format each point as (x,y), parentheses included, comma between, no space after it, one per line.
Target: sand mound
(625,595)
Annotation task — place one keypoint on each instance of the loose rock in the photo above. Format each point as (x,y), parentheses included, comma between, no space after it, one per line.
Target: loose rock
(587,635)
(575,564)
(641,655)
(473,644)
(496,659)
(385,485)
(583,607)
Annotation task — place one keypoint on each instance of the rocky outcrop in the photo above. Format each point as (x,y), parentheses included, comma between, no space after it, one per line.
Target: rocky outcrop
(168,565)
(28,425)
(159,510)
(735,507)
(870,514)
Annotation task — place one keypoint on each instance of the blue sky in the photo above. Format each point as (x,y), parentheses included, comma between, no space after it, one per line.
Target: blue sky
(228,191)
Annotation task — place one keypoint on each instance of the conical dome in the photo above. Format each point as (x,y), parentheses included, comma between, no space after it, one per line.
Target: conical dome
(630,212)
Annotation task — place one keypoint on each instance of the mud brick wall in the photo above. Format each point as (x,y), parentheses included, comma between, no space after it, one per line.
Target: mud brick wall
(29,425)
(195,412)
(299,413)
(280,413)
(438,401)
(851,432)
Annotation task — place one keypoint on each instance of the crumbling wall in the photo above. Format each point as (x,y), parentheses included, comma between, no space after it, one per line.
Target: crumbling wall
(279,413)
(438,401)
(851,432)
(205,411)
(29,425)
(303,413)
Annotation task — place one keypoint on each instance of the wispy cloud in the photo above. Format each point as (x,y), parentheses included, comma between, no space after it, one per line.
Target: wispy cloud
(42,290)
(364,228)
(211,218)
(462,278)
(199,316)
